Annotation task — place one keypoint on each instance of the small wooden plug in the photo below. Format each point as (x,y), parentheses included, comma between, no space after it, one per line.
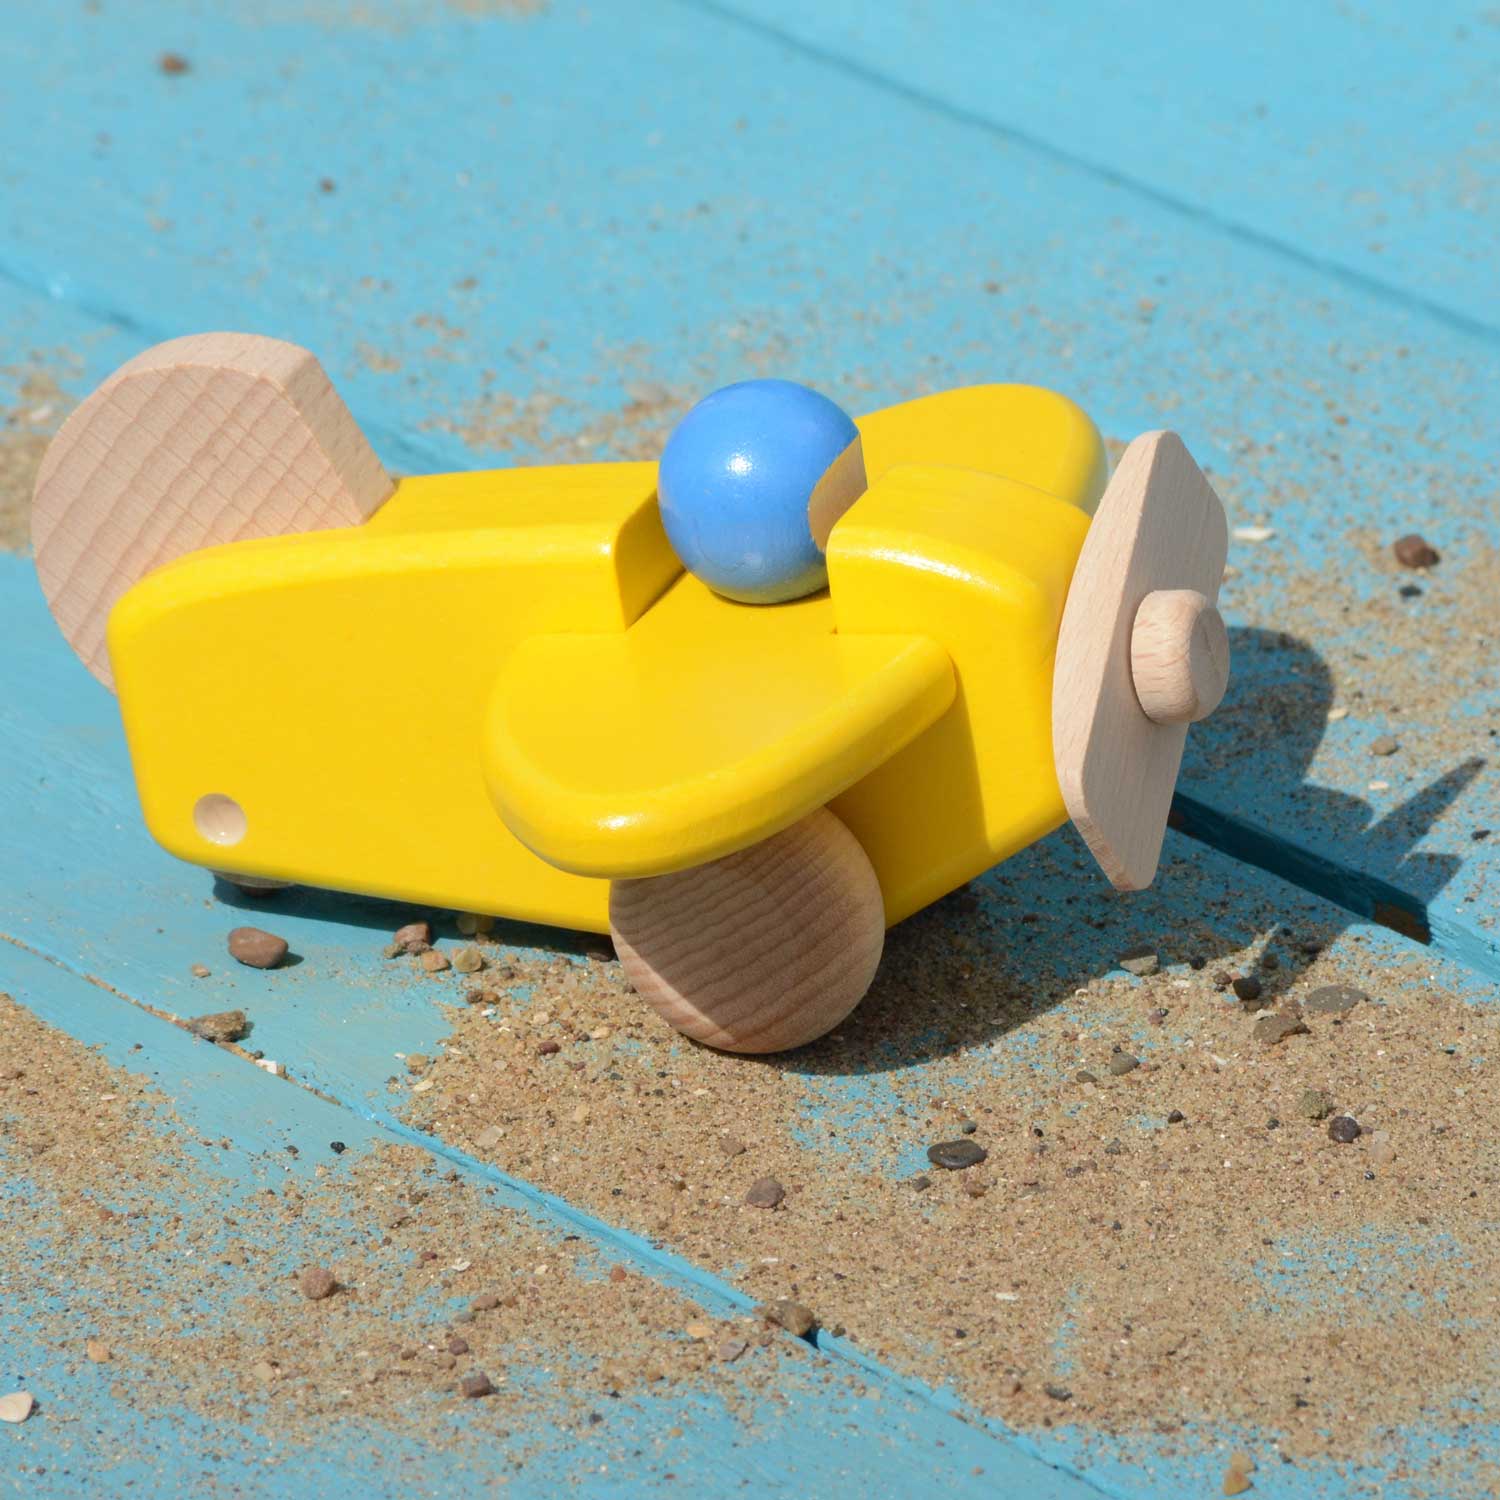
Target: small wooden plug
(1179,656)
(760,951)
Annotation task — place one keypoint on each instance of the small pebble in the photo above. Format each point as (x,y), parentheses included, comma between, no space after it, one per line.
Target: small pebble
(730,1350)
(317,1282)
(471,925)
(1157,1017)
(921,1182)
(17,1406)
(173,64)
(468,960)
(256,949)
(1236,1482)
(337,1147)
(417,1062)
(393,950)
(221,1026)
(1058,1392)
(731,1146)
(1274,1029)
(765,1192)
(200,971)
(414,936)
(433,961)
(485,1302)
(96,1351)
(967,1127)
(1315,1104)
(954,1156)
(1333,1000)
(1121,1063)
(491,1135)
(1415,551)
(458,1345)
(548,1049)
(1247,988)
(480,996)
(1344,1129)
(792,1316)
(1176,1117)
(475,1384)
(1084,1076)
(1385,744)
(1141,961)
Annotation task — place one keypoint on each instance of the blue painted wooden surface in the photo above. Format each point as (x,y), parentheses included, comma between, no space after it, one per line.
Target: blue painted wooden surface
(548,234)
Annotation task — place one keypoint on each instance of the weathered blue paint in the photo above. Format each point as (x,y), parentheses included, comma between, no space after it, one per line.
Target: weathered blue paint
(515,251)
(515,248)
(1357,141)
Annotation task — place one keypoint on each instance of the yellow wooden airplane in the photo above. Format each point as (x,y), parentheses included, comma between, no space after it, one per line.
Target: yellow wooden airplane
(500,691)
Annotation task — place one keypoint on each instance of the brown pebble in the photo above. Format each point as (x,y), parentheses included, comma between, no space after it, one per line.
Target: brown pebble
(173,64)
(1384,744)
(485,1302)
(200,971)
(1247,988)
(468,960)
(96,1351)
(475,1384)
(1084,1076)
(221,1026)
(417,1062)
(1236,1482)
(481,997)
(317,1282)
(458,1345)
(256,949)
(732,1147)
(618,1274)
(765,1192)
(433,961)
(792,1316)
(414,936)
(1276,1028)
(1415,551)
(1344,1129)
(549,1049)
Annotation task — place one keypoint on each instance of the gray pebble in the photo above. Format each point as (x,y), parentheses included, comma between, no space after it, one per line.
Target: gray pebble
(1141,960)
(954,1156)
(1344,1129)
(1385,744)
(792,1316)
(1122,1063)
(1333,1000)
(765,1192)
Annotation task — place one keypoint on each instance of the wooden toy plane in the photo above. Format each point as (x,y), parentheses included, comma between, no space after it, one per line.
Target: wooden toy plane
(500,692)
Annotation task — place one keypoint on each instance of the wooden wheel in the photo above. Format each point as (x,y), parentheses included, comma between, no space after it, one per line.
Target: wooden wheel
(760,951)
(198,441)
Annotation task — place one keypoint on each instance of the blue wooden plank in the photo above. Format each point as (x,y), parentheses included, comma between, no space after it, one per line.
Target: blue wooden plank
(340,1019)
(777,1425)
(1360,141)
(526,255)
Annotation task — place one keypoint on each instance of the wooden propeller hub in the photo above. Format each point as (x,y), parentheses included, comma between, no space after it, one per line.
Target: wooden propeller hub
(1179,656)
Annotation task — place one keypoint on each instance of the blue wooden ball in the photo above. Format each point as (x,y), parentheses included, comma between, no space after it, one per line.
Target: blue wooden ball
(736,481)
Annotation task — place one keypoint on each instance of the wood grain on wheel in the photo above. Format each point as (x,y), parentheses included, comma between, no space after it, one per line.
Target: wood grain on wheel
(201,440)
(762,950)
